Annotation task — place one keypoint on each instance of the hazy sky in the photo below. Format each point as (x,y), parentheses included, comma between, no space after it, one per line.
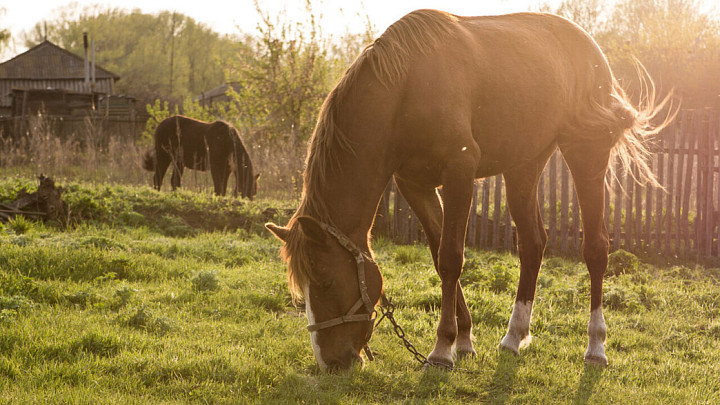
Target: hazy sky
(225,16)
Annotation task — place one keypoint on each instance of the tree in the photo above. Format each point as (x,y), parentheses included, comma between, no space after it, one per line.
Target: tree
(675,41)
(167,55)
(284,81)
(4,33)
(589,14)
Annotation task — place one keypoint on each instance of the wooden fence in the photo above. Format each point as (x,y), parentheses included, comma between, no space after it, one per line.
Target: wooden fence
(96,127)
(682,220)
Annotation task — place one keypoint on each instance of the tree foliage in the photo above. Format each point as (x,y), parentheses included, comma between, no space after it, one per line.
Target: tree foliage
(284,81)
(166,55)
(675,40)
(4,33)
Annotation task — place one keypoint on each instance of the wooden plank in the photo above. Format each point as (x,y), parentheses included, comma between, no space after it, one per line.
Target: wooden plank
(617,205)
(671,167)
(638,210)
(575,227)
(649,193)
(472,220)
(497,211)
(679,179)
(628,194)
(564,206)
(715,133)
(659,196)
(701,188)
(485,213)
(552,202)
(685,233)
(401,219)
(413,227)
(541,196)
(509,245)
(709,215)
(607,213)
(381,225)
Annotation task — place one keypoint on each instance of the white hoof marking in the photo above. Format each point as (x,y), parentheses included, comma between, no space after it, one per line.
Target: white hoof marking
(518,334)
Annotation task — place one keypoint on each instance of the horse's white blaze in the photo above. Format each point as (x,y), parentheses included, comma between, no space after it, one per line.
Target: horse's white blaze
(313,335)
(597,331)
(518,334)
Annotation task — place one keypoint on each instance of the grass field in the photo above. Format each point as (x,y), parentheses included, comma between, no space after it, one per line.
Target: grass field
(181,298)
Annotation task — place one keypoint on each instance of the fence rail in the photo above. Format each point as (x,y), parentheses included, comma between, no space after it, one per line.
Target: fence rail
(681,220)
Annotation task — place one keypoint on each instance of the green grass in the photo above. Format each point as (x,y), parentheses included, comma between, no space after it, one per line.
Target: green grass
(113,310)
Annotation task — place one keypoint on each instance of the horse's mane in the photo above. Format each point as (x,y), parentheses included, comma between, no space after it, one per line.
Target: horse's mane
(417,33)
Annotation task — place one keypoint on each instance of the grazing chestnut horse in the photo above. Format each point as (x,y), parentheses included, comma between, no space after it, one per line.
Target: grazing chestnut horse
(440,100)
(185,142)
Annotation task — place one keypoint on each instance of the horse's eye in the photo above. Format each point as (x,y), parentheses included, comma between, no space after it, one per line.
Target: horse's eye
(328,283)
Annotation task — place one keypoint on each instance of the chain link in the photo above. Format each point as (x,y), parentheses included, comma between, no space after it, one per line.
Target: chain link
(388,312)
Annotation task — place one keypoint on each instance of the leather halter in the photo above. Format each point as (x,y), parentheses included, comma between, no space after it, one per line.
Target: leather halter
(364,300)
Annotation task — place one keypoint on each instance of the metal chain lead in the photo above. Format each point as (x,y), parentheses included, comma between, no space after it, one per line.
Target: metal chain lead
(387,312)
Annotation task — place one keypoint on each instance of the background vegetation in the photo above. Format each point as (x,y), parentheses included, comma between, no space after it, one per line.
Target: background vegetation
(283,68)
(143,300)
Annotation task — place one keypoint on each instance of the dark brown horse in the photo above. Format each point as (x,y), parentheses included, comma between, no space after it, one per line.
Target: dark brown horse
(440,100)
(188,143)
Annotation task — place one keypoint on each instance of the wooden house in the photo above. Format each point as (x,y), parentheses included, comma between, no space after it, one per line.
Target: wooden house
(53,78)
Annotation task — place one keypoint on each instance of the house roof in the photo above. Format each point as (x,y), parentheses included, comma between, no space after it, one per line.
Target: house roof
(218,91)
(48,61)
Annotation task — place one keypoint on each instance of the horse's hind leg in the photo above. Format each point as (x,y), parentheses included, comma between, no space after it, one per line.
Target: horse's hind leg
(425,203)
(521,189)
(588,164)
(176,174)
(220,172)
(161,166)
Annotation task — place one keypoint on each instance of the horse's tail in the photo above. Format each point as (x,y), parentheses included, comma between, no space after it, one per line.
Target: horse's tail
(149,160)
(634,125)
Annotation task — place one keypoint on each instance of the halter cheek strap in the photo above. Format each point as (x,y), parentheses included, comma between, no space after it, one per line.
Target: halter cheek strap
(364,300)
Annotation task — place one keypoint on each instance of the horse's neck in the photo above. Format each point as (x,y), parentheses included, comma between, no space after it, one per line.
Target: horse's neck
(352,190)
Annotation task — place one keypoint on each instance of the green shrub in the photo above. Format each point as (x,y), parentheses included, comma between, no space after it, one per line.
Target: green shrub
(141,319)
(501,279)
(96,344)
(205,281)
(19,224)
(622,262)
(81,298)
(124,294)
(15,303)
(408,254)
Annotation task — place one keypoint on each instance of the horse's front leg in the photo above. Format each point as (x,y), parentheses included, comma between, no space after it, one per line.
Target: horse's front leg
(425,203)
(457,195)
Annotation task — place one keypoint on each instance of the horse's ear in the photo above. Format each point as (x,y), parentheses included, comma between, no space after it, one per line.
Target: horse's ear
(312,229)
(257,176)
(280,232)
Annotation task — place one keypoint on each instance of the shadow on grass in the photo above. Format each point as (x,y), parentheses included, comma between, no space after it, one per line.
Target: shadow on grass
(591,376)
(504,378)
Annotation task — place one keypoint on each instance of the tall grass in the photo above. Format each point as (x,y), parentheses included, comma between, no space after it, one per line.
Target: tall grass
(93,154)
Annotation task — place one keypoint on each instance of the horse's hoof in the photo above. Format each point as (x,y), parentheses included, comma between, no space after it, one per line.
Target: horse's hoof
(508,349)
(441,365)
(463,354)
(598,361)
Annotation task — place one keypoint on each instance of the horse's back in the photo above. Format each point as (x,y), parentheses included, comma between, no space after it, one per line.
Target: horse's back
(506,85)
(180,135)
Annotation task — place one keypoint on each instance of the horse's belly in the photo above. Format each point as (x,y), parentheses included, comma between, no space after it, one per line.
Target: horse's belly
(196,162)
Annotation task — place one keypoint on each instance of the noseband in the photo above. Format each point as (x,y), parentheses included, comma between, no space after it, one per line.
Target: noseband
(364,300)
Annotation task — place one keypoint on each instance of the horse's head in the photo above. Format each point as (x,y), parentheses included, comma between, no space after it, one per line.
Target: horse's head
(250,187)
(340,284)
